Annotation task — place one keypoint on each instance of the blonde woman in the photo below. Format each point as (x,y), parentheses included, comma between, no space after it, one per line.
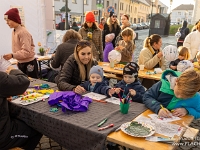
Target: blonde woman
(111,26)
(65,49)
(76,68)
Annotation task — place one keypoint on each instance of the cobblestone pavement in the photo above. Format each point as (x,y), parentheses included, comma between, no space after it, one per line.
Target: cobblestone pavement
(48,144)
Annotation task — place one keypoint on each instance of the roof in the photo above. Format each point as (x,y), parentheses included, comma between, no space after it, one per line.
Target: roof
(144,2)
(148,1)
(161,4)
(184,7)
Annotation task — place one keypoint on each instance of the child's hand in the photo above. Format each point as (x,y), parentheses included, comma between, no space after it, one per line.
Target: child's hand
(163,112)
(79,90)
(117,90)
(111,91)
(9,69)
(7,56)
(197,66)
(179,112)
(173,67)
(132,92)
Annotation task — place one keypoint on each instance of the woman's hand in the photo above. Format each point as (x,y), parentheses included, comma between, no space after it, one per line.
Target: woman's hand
(79,90)
(179,112)
(159,55)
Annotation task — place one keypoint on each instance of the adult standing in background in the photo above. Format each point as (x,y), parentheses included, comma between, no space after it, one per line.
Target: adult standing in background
(93,34)
(76,69)
(192,42)
(184,32)
(74,26)
(22,45)
(111,26)
(101,24)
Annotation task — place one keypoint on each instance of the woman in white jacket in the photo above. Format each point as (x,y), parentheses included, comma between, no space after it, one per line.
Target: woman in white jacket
(192,42)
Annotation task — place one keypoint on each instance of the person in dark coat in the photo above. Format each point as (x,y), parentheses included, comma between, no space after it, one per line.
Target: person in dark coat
(65,49)
(74,26)
(61,25)
(111,26)
(14,132)
(76,69)
(130,86)
(183,30)
(96,83)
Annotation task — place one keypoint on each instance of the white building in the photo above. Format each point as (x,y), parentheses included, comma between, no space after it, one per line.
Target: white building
(181,13)
(196,12)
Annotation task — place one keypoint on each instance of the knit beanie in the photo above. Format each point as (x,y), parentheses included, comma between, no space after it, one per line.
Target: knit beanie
(13,14)
(184,64)
(96,69)
(110,37)
(131,68)
(89,17)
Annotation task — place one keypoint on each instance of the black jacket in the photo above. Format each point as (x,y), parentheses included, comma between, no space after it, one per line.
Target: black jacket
(63,51)
(10,85)
(174,63)
(107,31)
(69,76)
(184,27)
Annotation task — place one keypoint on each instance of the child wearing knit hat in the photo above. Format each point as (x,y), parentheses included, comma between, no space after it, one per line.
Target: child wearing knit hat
(96,83)
(108,46)
(22,45)
(130,84)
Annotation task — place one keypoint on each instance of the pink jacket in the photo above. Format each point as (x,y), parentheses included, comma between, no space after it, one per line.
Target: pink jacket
(22,45)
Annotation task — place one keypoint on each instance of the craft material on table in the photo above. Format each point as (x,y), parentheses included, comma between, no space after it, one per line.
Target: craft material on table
(156,118)
(106,127)
(4,64)
(30,99)
(95,96)
(138,129)
(102,122)
(113,100)
(160,139)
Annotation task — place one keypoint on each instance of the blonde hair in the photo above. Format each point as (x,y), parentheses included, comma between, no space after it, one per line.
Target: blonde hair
(188,83)
(80,45)
(71,34)
(198,56)
(127,32)
(109,22)
(183,51)
(198,25)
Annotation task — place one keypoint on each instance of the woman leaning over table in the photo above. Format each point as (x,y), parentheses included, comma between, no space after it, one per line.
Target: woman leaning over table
(151,56)
(22,45)
(76,68)
(92,33)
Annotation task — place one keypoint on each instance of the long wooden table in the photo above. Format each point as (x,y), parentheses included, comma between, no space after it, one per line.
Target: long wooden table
(140,143)
(142,73)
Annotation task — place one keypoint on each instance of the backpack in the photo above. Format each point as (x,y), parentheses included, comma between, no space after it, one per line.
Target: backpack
(182,31)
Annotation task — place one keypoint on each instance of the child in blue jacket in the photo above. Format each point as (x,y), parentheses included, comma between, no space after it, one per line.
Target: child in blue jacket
(96,83)
(175,92)
(130,84)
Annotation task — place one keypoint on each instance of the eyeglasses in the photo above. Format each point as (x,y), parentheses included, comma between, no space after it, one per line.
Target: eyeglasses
(114,16)
(82,43)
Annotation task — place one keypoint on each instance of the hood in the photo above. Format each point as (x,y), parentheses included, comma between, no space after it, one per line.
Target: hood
(184,24)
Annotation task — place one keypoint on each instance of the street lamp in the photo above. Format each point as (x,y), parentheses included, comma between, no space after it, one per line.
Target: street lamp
(152,1)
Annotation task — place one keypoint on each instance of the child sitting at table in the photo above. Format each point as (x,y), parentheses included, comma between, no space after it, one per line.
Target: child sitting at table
(96,82)
(183,55)
(197,64)
(126,46)
(130,86)
(108,46)
(176,92)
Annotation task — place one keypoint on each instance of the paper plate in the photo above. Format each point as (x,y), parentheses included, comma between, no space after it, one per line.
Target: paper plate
(137,129)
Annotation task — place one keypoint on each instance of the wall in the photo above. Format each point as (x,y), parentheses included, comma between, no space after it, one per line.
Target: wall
(196,12)
(33,11)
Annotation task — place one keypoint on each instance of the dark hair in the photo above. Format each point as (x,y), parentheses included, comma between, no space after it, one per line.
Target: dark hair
(102,18)
(149,41)
(127,16)
(94,26)
(74,24)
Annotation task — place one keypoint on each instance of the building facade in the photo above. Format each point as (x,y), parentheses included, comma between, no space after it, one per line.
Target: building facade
(181,13)
(196,12)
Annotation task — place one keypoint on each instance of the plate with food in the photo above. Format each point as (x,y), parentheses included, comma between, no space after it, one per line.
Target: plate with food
(137,129)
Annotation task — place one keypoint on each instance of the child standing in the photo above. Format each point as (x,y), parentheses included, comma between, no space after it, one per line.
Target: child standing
(183,55)
(175,92)
(22,45)
(126,46)
(130,84)
(197,64)
(108,46)
(96,83)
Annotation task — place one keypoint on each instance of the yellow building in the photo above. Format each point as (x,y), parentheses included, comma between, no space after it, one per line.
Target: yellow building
(142,11)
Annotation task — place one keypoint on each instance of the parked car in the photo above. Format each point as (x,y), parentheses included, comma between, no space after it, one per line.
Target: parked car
(139,27)
(133,26)
(143,25)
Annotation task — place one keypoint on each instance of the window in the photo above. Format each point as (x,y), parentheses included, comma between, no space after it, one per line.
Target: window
(190,13)
(85,2)
(157,24)
(115,5)
(179,13)
(122,6)
(107,3)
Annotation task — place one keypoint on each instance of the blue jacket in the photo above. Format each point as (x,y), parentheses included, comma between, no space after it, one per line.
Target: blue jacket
(100,87)
(155,96)
(135,86)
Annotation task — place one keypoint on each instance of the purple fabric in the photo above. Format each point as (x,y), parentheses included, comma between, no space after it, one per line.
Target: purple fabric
(109,47)
(71,101)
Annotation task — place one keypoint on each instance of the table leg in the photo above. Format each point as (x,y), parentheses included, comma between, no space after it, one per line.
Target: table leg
(40,69)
